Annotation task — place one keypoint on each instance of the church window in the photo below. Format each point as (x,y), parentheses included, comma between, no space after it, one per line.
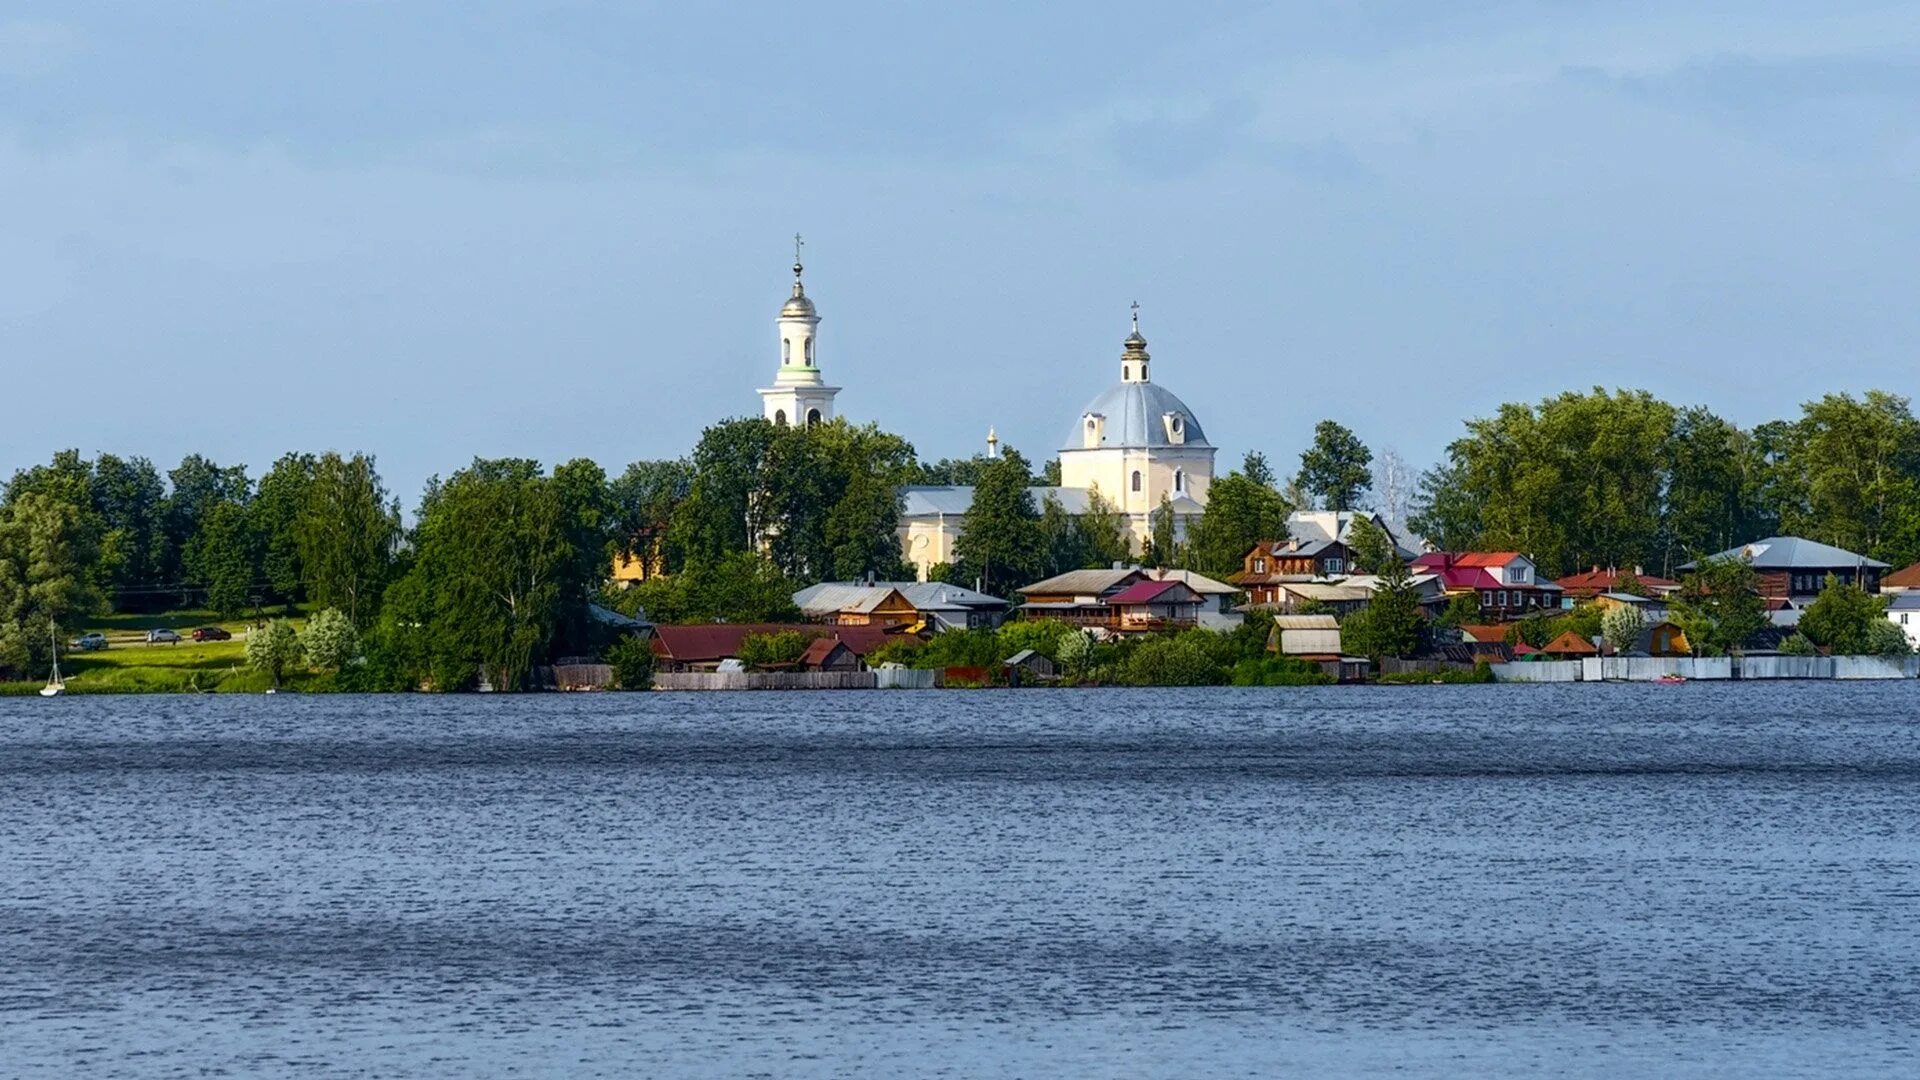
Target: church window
(809,345)
(1126,371)
(780,417)
(813,417)
(1179,480)
(1136,479)
(786,350)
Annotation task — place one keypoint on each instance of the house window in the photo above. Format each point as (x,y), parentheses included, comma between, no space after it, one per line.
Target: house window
(1259,566)
(1503,598)
(1486,598)
(1136,479)
(1335,566)
(1516,575)
(1903,618)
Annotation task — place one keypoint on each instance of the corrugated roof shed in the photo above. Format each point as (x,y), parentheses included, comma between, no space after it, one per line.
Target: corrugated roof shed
(1310,642)
(1794,553)
(1306,622)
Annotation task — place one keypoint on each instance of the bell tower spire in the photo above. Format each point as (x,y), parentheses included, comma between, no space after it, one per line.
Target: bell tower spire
(1133,353)
(798,395)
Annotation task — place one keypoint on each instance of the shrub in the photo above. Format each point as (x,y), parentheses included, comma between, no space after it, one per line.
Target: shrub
(1041,635)
(1886,639)
(1075,654)
(273,648)
(1621,626)
(1798,644)
(331,640)
(1279,671)
(767,650)
(631,657)
(1176,661)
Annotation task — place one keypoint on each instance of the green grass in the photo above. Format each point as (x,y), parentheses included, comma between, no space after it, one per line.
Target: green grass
(131,666)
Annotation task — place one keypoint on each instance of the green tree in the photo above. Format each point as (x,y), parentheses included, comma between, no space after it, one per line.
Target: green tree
(198,485)
(631,658)
(274,648)
(1075,654)
(1393,615)
(332,641)
(1172,661)
(1886,639)
(1000,545)
(224,558)
(129,498)
(645,498)
(1798,644)
(771,650)
(275,511)
(1242,510)
(1858,462)
(1163,549)
(1371,546)
(1621,626)
(47,550)
(1712,490)
(345,534)
(1842,616)
(1337,468)
(1444,511)
(1719,605)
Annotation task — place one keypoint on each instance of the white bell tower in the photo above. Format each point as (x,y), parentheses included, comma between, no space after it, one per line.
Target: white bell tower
(798,395)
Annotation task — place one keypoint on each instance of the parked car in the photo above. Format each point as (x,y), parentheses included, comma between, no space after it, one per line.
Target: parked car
(88,642)
(162,637)
(211,633)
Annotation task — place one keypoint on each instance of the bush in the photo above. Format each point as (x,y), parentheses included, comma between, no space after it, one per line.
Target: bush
(1175,661)
(768,650)
(1041,635)
(1279,671)
(273,649)
(1621,626)
(1479,673)
(1798,644)
(1075,654)
(631,657)
(1886,639)
(331,640)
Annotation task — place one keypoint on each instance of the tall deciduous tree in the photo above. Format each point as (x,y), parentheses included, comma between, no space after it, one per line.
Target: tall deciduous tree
(1242,510)
(1000,545)
(1858,462)
(276,514)
(345,534)
(1335,470)
(1719,605)
(224,558)
(46,550)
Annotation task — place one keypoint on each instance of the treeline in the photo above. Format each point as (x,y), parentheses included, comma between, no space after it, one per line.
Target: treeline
(503,558)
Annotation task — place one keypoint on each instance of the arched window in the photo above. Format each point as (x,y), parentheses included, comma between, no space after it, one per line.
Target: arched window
(809,352)
(1179,480)
(780,417)
(1136,479)
(786,350)
(1126,372)
(813,417)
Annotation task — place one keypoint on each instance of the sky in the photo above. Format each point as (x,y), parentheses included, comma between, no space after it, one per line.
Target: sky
(434,231)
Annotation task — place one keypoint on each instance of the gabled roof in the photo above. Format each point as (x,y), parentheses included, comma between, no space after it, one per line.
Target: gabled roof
(1479,560)
(820,650)
(1306,622)
(1570,644)
(829,597)
(1793,553)
(1597,580)
(1905,578)
(1310,642)
(701,643)
(1084,582)
(1150,592)
(1487,633)
(1198,582)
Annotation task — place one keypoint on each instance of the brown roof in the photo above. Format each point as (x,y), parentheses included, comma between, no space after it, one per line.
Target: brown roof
(1596,581)
(701,643)
(1486,632)
(1570,644)
(819,650)
(1908,578)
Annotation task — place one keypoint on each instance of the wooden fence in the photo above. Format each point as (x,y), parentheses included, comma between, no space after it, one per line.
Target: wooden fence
(765,680)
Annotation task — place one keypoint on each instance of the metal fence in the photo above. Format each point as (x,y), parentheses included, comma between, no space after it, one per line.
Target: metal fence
(1537,671)
(906,679)
(765,680)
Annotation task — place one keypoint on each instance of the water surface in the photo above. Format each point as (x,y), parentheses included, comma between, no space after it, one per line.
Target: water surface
(1577,880)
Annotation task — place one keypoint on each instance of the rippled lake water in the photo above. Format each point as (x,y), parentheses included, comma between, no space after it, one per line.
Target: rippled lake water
(1578,880)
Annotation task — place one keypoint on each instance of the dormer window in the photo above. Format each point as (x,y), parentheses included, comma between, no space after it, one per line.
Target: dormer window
(1093,430)
(1176,426)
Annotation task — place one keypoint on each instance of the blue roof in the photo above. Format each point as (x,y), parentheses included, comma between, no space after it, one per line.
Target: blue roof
(1134,412)
(1795,553)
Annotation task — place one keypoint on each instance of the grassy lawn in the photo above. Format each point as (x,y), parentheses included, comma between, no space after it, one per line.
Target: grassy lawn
(128,665)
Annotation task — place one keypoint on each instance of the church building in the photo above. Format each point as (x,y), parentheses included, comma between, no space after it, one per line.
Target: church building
(1135,443)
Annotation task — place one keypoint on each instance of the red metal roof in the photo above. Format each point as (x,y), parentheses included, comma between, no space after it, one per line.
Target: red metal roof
(1907,578)
(1598,581)
(1145,592)
(702,643)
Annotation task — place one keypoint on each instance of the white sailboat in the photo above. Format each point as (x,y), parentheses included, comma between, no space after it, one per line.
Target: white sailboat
(55,684)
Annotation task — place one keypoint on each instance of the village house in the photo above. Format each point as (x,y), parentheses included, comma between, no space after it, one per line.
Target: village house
(914,607)
(1154,605)
(1315,639)
(1570,646)
(1506,582)
(1575,588)
(1795,569)
(1217,608)
(1317,546)
(1078,596)
(1903,611)
(705,646)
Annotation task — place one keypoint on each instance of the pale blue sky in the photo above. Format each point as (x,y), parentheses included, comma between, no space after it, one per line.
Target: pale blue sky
(435,230)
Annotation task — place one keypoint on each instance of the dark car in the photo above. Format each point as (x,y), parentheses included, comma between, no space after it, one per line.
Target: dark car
(211,633)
